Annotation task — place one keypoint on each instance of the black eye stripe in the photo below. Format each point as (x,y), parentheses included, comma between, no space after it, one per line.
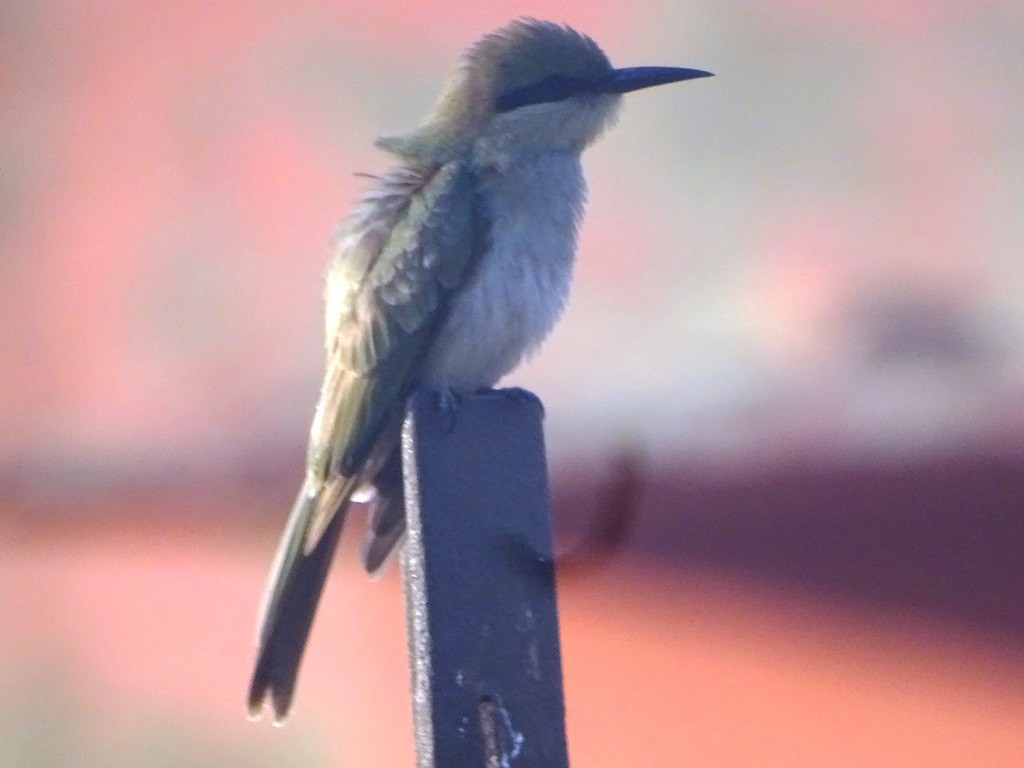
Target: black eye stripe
(551,88)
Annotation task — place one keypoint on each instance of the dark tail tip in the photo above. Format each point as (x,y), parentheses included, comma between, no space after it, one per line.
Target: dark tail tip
(270,689)
(284,640)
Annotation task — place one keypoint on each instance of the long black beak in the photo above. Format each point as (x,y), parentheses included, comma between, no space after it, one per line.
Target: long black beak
(635,78)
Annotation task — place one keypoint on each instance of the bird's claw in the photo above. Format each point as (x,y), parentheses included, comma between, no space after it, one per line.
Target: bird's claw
(448,402)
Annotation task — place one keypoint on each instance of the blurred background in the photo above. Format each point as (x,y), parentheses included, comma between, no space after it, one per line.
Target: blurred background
(792,370)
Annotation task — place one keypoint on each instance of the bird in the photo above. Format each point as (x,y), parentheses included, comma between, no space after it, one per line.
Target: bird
(452,268)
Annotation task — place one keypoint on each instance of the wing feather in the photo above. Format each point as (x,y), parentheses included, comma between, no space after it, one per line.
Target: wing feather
(410,246)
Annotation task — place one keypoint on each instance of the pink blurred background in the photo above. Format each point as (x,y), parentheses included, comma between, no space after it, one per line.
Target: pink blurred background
(800,300)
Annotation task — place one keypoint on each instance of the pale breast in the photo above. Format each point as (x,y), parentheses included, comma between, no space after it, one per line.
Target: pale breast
(521,283)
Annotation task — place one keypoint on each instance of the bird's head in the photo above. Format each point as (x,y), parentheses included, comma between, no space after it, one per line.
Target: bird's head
(528,86)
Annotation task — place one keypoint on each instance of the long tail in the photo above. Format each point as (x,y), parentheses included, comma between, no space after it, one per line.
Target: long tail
(296,582)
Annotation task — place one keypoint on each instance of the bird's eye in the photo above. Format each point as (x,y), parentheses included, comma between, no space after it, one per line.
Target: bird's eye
(554,87)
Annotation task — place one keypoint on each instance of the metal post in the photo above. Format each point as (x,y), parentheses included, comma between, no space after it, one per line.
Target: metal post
(478,575)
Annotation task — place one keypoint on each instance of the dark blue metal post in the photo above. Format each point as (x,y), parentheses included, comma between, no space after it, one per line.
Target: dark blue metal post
(479,583)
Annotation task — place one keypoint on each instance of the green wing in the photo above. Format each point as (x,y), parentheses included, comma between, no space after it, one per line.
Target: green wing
(409,246)
(408,249)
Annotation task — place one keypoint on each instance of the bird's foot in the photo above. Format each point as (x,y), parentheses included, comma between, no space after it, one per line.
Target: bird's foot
(448,402)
